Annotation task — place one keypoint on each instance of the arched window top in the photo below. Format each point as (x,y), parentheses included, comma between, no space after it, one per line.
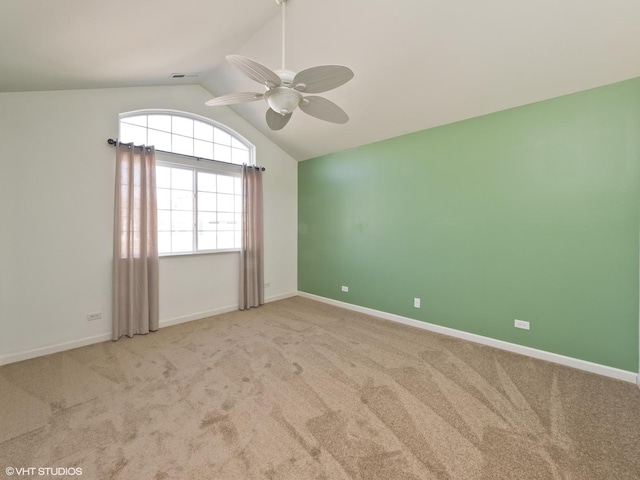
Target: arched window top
(185,134)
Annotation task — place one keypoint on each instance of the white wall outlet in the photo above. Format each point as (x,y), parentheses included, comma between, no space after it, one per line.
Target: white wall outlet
(416,302)
(94,316)
(521,324)
(345,288)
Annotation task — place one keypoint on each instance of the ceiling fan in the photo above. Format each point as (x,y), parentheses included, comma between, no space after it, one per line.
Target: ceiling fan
(285,89)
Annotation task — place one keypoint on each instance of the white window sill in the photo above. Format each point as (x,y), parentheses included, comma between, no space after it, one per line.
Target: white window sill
(206,252)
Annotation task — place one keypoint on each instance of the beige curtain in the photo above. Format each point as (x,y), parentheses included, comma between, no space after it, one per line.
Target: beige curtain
(251,253)
(135,245)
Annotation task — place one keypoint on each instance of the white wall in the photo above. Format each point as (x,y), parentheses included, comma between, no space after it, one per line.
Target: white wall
(56,218)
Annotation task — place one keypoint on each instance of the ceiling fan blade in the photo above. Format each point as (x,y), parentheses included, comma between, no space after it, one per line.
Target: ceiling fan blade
(255,71)
(323,78)
(233,98)
(276,121)
(323,109)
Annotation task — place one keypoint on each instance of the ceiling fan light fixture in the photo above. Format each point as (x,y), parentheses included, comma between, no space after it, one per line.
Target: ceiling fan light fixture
(283,100)
(284,88)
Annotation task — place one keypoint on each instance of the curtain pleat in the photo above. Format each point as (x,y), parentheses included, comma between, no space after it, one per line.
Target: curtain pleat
(135,244)
(252,248)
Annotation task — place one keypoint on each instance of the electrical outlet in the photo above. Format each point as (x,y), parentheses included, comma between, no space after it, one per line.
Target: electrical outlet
(416,303)
(267,285)
(94,316)
(345,288)
(524,325)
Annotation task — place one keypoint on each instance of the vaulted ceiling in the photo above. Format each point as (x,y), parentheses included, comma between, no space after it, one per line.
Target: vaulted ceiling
(417,63)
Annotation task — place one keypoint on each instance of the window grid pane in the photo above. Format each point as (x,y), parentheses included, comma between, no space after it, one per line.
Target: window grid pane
(182,145)
(186,136)
(160,122)
(221,137)
(206,182)
(163,177)
(207,241)
(202,149)
(182,126)
(202,131)
(225,184)
(160,140)
(207,221)
(133,133)
(239,156)
(140,120)
(238,144)
(221,153)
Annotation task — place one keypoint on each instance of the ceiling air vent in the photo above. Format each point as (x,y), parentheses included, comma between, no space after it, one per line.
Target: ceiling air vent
(184,75)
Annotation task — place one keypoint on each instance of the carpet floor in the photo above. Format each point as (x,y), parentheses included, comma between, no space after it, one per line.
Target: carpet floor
(302,390)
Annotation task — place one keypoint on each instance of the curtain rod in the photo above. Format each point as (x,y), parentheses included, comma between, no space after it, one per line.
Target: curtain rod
(114,142)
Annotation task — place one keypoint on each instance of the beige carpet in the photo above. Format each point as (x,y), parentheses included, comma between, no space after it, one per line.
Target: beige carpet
(301,390)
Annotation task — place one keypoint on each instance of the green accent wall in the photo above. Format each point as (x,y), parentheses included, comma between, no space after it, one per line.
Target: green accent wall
(531,213)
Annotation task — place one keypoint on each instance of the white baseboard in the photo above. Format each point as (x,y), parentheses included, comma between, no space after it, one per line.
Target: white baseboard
(218,311)
(616,373)
(169,322)
(83,342)
(275,298)
(49,349)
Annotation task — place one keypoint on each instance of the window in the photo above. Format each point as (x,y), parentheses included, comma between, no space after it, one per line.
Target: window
(185,135)
(198,210)
(199,202)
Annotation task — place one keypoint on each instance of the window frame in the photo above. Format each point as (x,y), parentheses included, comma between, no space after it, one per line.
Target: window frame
(191,116)
(164,159)
(196,164)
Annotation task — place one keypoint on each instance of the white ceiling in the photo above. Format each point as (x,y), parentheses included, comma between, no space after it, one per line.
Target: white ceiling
(417,63)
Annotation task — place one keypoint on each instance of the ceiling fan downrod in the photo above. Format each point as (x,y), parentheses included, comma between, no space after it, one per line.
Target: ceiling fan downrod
(283,4)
